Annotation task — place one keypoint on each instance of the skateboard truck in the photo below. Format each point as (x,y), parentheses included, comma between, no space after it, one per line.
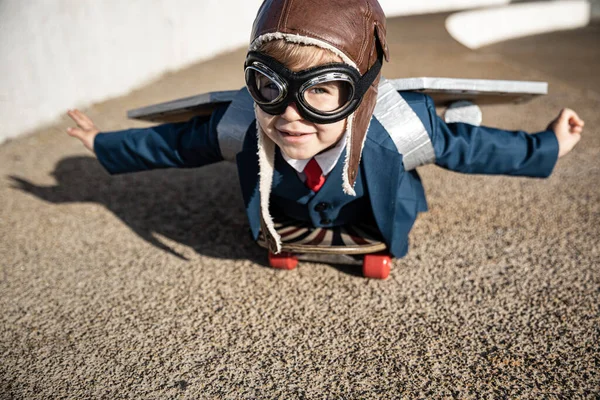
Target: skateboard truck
(375,266)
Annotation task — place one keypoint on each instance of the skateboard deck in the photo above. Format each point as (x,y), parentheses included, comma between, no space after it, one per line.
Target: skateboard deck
(302,237)
(444,91)
(335,245)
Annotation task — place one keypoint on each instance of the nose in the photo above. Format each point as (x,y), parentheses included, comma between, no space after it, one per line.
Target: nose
(291,113)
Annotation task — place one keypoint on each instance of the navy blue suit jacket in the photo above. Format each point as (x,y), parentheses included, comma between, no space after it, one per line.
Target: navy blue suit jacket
(396,195)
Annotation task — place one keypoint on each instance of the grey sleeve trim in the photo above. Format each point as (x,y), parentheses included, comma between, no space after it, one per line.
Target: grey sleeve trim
(233,126)
(404,127)
(463,111)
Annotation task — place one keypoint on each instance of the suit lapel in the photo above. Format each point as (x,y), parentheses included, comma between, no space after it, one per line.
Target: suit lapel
(286,182)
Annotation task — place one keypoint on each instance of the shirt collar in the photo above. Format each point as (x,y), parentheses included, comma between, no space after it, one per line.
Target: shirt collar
(326,159)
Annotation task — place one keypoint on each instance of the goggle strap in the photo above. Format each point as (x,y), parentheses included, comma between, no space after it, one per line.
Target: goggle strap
(369,77)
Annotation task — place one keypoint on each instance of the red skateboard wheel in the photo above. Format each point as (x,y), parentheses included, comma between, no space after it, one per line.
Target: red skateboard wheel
(377,266)
(283,260)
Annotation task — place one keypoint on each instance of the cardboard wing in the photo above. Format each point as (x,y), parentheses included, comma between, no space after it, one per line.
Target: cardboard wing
(444,92)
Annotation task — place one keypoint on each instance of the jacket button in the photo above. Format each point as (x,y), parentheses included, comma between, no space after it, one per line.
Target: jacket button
(325,221)
(321,207)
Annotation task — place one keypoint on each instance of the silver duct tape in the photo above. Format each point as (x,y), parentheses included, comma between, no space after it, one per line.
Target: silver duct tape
(463,111)
(234,124)
(404,127)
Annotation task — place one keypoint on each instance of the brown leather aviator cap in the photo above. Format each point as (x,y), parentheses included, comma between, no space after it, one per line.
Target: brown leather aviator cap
(350,28)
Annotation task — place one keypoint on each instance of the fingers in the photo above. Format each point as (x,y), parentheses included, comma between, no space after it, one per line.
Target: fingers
(76,116)
(567,128)
(84,117)
(576,123)
(81,119)
(571,117)
(85,131)
(75,132)
(569,121)
(577,129)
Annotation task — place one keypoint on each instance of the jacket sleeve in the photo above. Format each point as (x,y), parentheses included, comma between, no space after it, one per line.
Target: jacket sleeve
(183,145)
(473,149)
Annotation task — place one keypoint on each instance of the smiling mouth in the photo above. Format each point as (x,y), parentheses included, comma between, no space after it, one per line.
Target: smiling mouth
(295,133)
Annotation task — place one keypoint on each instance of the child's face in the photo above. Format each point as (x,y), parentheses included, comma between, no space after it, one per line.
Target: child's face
(296,137)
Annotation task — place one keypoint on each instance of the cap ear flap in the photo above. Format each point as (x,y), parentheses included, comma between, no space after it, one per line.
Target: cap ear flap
(380,33)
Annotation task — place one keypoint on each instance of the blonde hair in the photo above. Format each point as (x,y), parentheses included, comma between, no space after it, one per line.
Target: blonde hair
(298,56)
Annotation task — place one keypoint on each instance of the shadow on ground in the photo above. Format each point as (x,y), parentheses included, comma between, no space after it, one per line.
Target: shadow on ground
(185,206)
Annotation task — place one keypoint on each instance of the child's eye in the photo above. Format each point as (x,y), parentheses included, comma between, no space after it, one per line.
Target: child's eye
(267,88)
(320,90)
(328,96)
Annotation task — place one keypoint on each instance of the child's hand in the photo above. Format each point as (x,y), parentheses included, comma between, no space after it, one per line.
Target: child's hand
(567,127)
(86,131)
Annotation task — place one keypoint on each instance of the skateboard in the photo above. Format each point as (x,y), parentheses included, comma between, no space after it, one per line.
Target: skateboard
(359,244)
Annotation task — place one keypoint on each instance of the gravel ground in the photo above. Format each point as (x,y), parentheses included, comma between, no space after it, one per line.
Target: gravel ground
(147,286)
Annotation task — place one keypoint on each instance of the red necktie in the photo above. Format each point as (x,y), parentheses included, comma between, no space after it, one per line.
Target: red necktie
(314,175)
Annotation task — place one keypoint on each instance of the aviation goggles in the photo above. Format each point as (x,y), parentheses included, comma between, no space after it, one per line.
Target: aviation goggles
(323,94)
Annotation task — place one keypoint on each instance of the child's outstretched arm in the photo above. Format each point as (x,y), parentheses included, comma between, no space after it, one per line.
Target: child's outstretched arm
(85,131)
(175,145)
(567,127)
(474,149)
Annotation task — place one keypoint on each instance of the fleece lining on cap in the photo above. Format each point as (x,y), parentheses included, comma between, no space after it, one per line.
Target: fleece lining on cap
(266,147)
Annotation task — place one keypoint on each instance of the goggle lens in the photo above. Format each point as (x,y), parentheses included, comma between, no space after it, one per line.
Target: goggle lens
(328,97)
(263,89)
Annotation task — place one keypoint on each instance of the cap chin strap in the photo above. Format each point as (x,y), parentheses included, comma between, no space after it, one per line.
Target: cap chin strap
(266,165)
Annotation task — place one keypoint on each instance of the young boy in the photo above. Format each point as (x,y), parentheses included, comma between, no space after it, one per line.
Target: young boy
(315,151)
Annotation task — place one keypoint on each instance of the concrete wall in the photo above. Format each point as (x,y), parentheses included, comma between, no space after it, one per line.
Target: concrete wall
(485,26)
(594,4)
(59,54)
